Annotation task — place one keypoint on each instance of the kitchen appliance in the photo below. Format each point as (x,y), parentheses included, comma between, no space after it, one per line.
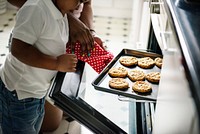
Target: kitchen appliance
(178,29)
(194,2)
(177,107)
(67,93)
(189,5)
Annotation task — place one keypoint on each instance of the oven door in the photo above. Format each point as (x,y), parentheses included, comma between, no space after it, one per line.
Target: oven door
(67,92)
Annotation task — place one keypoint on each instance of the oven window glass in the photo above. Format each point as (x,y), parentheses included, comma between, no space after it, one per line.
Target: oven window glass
(70,84)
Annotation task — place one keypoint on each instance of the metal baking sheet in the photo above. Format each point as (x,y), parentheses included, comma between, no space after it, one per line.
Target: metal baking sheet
(102,80)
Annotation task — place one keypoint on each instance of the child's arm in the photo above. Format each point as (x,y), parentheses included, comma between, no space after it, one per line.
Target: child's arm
(31,56)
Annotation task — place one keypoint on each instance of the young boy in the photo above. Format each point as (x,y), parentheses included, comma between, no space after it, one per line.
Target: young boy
(38,51)
(81,29)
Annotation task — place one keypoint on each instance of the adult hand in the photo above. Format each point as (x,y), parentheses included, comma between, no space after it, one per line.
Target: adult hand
(98,40)
(79,32)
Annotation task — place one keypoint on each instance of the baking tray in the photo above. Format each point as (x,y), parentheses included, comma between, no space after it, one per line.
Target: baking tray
(102,80)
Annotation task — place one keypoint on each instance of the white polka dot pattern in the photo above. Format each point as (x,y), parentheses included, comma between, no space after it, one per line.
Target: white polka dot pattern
(98,58)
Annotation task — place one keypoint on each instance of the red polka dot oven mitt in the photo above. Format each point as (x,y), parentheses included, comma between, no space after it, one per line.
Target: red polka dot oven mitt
(98,58)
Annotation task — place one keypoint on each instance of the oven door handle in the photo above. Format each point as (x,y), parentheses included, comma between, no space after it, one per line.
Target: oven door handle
(127,99)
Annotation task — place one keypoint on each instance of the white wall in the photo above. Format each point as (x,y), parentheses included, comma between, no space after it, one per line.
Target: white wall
(113,8)
(137,10)
(140,24)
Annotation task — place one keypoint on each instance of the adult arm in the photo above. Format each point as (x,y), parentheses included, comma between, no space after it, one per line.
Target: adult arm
(82,29)
(78,31)
(87,19)
(87,15)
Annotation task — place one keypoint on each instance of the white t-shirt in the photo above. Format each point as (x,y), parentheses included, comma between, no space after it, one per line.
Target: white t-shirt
(42,25)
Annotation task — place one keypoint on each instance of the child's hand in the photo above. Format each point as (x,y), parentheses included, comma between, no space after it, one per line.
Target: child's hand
(67,63)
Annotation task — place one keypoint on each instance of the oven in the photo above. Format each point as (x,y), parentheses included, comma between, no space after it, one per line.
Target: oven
(174,34)
(177,28)
(67,92)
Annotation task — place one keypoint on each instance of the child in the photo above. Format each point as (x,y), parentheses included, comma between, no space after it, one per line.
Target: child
(38,51)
